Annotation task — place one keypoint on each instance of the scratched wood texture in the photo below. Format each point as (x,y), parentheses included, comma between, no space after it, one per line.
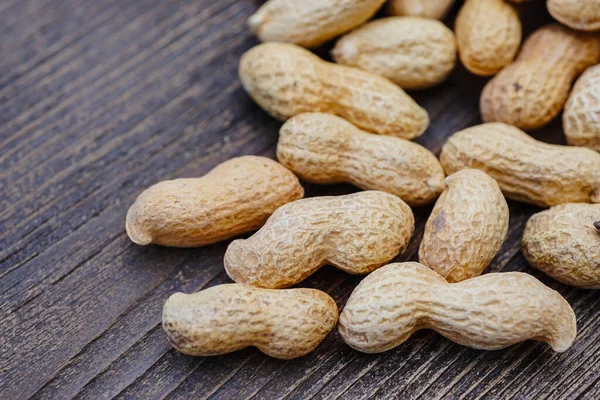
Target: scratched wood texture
(100,99)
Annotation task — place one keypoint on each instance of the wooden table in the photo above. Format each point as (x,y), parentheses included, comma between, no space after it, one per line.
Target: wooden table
(100,99)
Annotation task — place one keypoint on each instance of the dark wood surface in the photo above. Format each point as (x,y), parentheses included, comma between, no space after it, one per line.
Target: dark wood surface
(100,99)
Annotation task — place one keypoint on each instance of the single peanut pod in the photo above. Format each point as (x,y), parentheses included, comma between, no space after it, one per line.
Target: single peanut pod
(309,23)
(530,92)
(466,228)
(488,312)
(325,149)
(287,80)
(413,52)
(281,323)
(582,15)
(435,9)
(581,119)
(357,233)
(564,242)
(235,197)
(488,33)
(526,169)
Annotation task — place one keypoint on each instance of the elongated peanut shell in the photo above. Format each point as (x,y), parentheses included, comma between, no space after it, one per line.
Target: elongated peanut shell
(436,9)
(530,92)
(564,243)
(287,80)
(235,197)
(357,233)
(488,312)
(581,119)
(310,23)
(583,15)
(222,319)
(466,228)
(488,33)
(413,52)
(526,169)
(325,149)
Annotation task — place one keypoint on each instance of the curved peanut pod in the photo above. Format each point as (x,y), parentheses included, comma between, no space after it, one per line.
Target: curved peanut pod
(526,169)
(531,91)
(436,9)
(325,149)
(488,312)
(287,80)
(466,228)
(488,33)
(309,23)
(582,15)
(235,197)
(281,323)
(564,243)
(412,52)
(581,119)
(357,233)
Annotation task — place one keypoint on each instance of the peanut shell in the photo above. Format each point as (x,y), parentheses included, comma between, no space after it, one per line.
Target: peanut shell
(526,169)
(413,52)
(582,15)
(235,197)
(325,149)
(287,80)
(581,119)
(357,233)
(564,243)
(488,312)
(309,23)
(488,33)
(466,228)
(530,92)
(281,323)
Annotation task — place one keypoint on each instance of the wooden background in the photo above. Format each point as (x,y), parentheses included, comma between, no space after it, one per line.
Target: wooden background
(100,99)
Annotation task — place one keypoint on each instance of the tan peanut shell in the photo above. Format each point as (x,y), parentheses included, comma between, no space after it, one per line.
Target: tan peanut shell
(235,197)
(309,23)
(564,243)
(466,228)
(581,118)
(357,233)
(413,52)
(488,312)
(488,33)
(583,15)
(530,92)
(281,323)
(435,9)
(526,169)
(287,80)
(325,149)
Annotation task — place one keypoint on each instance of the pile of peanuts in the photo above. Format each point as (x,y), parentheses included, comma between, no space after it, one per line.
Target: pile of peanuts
(351,121)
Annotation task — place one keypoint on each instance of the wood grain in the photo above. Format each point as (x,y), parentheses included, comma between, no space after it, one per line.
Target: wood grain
(100,99)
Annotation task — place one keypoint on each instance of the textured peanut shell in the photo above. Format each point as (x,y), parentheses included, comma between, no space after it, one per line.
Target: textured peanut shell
(564,243)
(581,118)
(413,52)
(488,33)
(583,15)
(235,197)
(281,323)
(357,233)
(466,228)
(526,169)
(530,92)
(287,80)
(325,149)
(435,9)
(310,23)
(488,312)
